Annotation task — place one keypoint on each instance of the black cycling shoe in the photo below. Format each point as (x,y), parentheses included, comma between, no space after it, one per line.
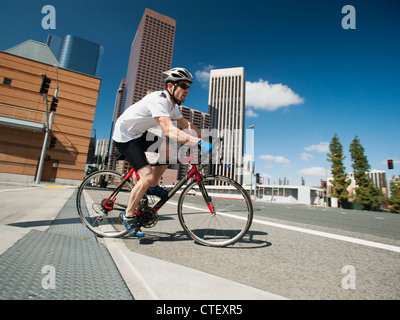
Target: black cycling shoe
(158,191)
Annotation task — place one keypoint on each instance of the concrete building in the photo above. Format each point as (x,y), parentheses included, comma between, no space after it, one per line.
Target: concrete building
(200,119)
(289,194)
(118,106)
(101,153)
(377,177)
(23,116)
(226,105)
(151,54)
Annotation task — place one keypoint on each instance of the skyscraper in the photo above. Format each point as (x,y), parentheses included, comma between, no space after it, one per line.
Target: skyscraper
(77,54)
(151,54)
(119,103)
(227,110)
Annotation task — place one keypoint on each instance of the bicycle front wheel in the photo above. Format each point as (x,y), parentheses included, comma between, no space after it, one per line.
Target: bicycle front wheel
(232,211)
(100,203)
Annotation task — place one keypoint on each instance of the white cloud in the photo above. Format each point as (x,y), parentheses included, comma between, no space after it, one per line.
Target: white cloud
(321,147)
(203,76)
(269,166)
(306,156)
(270,97)
(317,172)
(251,114)
(277,159)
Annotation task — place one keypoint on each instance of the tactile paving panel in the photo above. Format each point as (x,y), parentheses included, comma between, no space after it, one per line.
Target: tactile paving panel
(69,223)
(66,256)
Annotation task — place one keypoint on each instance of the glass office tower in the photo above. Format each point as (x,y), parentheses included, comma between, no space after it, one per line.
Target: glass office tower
(77,54)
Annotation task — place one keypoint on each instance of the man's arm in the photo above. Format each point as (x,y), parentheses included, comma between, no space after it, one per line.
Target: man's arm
(176,134)
(184,124)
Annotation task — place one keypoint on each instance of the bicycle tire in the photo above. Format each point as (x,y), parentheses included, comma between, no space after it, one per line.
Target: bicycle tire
(90,203)
(233,212)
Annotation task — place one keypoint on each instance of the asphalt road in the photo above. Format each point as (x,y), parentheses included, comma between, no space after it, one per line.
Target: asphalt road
(300,252)
(296,251)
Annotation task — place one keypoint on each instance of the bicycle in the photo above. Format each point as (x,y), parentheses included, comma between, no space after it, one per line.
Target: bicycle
(213,210)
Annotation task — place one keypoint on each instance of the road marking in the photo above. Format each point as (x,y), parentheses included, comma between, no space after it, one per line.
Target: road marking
(313,232)
(332,236)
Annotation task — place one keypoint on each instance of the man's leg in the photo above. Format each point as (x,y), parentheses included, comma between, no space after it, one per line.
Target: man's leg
(158,172)
(147,178)
(167,153)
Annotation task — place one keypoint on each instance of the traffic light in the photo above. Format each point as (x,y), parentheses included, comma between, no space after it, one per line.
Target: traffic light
(257,178)
(390,164)
(53,105)
(53,141)
(45,85)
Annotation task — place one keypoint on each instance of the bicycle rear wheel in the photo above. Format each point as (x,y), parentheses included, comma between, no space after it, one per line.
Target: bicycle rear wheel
(97,211)
(232,216)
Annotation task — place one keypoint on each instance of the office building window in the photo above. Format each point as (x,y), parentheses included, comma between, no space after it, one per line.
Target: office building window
(7,81)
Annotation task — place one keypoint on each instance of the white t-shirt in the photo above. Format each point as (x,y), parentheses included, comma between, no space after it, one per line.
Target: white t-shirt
(139,117)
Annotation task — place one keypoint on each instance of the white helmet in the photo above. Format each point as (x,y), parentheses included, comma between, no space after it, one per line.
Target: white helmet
(177,74)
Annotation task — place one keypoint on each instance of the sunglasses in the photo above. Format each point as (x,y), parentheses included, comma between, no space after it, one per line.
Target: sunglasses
(183,86)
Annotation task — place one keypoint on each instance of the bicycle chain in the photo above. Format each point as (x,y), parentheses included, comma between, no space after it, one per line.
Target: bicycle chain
(147,217)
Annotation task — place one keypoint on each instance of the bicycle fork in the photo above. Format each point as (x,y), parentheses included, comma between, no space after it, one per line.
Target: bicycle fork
(194,171)
(207,198)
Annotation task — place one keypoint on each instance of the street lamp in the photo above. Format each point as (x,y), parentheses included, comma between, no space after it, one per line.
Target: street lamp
(252,160)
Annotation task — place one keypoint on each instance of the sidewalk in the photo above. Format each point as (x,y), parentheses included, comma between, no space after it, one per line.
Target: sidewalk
(55,256)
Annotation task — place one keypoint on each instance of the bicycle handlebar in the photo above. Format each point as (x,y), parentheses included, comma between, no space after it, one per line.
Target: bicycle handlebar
(192,156)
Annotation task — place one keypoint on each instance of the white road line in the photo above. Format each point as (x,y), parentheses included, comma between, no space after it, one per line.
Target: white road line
(314,232)
(332,236)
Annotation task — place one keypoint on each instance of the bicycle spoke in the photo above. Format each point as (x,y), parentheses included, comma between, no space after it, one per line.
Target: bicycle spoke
(100,203)
(229,222)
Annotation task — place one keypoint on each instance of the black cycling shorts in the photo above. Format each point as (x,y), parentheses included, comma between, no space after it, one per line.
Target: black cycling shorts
(134,150)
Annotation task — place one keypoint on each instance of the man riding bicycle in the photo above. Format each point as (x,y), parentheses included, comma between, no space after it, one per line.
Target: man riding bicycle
(132,138)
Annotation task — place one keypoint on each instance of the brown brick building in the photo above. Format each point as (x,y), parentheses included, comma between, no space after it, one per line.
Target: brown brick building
(23,117)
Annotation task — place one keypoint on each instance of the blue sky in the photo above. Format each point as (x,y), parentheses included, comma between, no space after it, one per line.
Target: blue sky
(307,77)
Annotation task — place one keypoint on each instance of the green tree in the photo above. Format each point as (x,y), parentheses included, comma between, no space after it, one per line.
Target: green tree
(340,181)
(367,193)
(394,199)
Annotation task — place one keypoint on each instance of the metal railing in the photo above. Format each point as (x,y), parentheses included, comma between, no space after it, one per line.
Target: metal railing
(22,113)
